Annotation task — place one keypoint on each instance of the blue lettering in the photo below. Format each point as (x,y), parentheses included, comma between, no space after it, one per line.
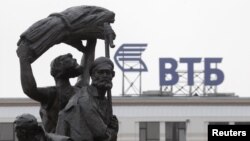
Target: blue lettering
(209,71)
(190,70)
(164,71)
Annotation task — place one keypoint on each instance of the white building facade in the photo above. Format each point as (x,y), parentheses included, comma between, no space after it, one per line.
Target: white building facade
(148,118)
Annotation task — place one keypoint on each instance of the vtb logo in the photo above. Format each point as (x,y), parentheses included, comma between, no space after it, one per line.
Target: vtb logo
(128,58)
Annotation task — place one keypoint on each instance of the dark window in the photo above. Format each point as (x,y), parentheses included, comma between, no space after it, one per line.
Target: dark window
(175,131)
(242,123)
(218,123)
(149,131)
(6,132)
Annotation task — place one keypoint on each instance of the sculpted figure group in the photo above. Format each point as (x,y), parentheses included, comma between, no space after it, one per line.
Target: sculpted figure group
(80,112)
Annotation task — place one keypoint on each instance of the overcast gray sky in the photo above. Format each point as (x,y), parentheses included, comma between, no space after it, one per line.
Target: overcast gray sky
(171,28)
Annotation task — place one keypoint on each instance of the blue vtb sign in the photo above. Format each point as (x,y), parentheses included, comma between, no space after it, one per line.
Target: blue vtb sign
(128,58)
(208,71)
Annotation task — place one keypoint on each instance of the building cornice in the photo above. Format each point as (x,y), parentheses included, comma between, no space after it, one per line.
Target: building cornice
(182,101)
(137,101)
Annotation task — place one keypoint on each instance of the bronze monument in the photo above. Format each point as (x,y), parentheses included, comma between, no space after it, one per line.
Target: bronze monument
(83,111)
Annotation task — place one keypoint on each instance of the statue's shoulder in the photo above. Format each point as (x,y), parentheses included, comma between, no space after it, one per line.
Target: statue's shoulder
(84,94)
(76,99)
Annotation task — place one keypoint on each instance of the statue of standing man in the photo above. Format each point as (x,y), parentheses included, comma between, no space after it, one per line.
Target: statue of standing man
(87,116)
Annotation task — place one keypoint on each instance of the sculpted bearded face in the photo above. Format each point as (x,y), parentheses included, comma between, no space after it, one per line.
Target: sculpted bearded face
(102,79)
(102,73)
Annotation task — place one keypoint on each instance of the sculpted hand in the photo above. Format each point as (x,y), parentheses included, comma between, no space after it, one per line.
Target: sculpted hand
(114,123)
(24,53)
(109,34)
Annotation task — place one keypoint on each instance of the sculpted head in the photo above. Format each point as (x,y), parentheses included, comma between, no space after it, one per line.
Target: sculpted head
(102,73)
(26,125)
(65,66)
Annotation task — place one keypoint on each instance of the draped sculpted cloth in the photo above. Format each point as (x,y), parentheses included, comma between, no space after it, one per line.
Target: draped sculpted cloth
(69,26)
